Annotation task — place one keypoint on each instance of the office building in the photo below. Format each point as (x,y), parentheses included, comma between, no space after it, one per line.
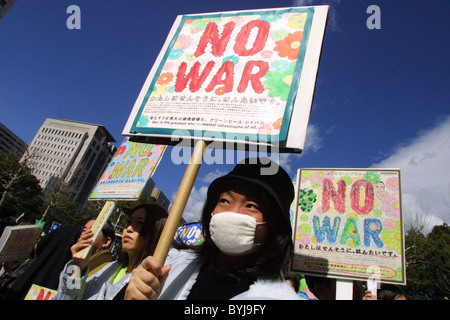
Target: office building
(9,142)
(75,153)
(5,5)
(160,198)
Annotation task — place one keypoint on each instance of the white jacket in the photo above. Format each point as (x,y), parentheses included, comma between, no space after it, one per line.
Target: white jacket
(184,272)
(96,287)
(181,278)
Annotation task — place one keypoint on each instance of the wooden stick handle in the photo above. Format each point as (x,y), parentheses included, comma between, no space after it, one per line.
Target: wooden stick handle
(176,211)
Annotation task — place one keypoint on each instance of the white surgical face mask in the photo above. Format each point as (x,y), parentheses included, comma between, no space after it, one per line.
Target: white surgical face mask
(233,232)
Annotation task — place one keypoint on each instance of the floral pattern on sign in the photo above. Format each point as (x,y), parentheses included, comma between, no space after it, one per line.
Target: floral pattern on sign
(229,61)
(306,199)
(351,212)
(289,46)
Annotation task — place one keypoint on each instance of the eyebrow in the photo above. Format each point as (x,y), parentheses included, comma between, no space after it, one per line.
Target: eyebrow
(249,196)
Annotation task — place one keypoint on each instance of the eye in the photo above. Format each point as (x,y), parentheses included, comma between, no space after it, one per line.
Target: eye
(223,200)
(253,206)
(138,222)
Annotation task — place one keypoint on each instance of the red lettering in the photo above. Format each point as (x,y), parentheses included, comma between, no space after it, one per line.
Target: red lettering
(260,40)
(228,69)
(42,293)
(196,80)
(368,199)
(254,78)
(218,43)
(337,197)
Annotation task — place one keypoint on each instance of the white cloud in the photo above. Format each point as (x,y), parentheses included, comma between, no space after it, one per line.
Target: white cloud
(313,143)
(213,175)
(194,206)
(197,197)
(424,164)
(314,139)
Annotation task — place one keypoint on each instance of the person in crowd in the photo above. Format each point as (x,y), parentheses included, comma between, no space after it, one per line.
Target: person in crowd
(248,241)
(304,291)
(7,266)
(139,240)
(392,292)
(294,282)
(51,254)
(321,287)
(325,288)
(101,254)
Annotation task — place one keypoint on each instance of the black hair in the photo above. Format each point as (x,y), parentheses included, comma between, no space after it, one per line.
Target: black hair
(109,231)
(390,292)
(295,282)
(277,249)
(155,220)
(311,282)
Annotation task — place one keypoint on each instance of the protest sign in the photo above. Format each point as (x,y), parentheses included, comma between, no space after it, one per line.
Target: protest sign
(227,80)
(245,77)
(189,234)
(37,292)
(17,242)
(127,175)
(53,226)
(349,224)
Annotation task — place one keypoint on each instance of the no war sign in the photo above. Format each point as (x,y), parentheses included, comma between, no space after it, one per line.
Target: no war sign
(248,76)
(348,224)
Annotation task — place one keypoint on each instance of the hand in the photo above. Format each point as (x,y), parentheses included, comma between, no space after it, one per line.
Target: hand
(83,242)
(147,280)
(369,296)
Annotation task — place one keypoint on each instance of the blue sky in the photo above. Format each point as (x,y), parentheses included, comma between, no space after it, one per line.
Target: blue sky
(381,98)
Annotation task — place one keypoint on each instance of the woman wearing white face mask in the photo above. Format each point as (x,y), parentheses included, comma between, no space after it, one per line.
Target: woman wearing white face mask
(248,242)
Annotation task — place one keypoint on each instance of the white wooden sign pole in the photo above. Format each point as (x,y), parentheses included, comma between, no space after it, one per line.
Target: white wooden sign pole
(344,289)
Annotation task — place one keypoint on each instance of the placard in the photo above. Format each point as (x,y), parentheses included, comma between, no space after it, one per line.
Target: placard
(37,292)
(189,234)
(349,224)
(244,76)
(127,175)
(17,242)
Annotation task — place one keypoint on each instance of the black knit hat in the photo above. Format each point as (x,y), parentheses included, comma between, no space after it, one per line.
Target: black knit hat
(266,174)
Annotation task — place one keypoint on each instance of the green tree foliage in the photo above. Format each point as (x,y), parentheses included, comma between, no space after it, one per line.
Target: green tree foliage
(428,263)
(20,191)
(63,211)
